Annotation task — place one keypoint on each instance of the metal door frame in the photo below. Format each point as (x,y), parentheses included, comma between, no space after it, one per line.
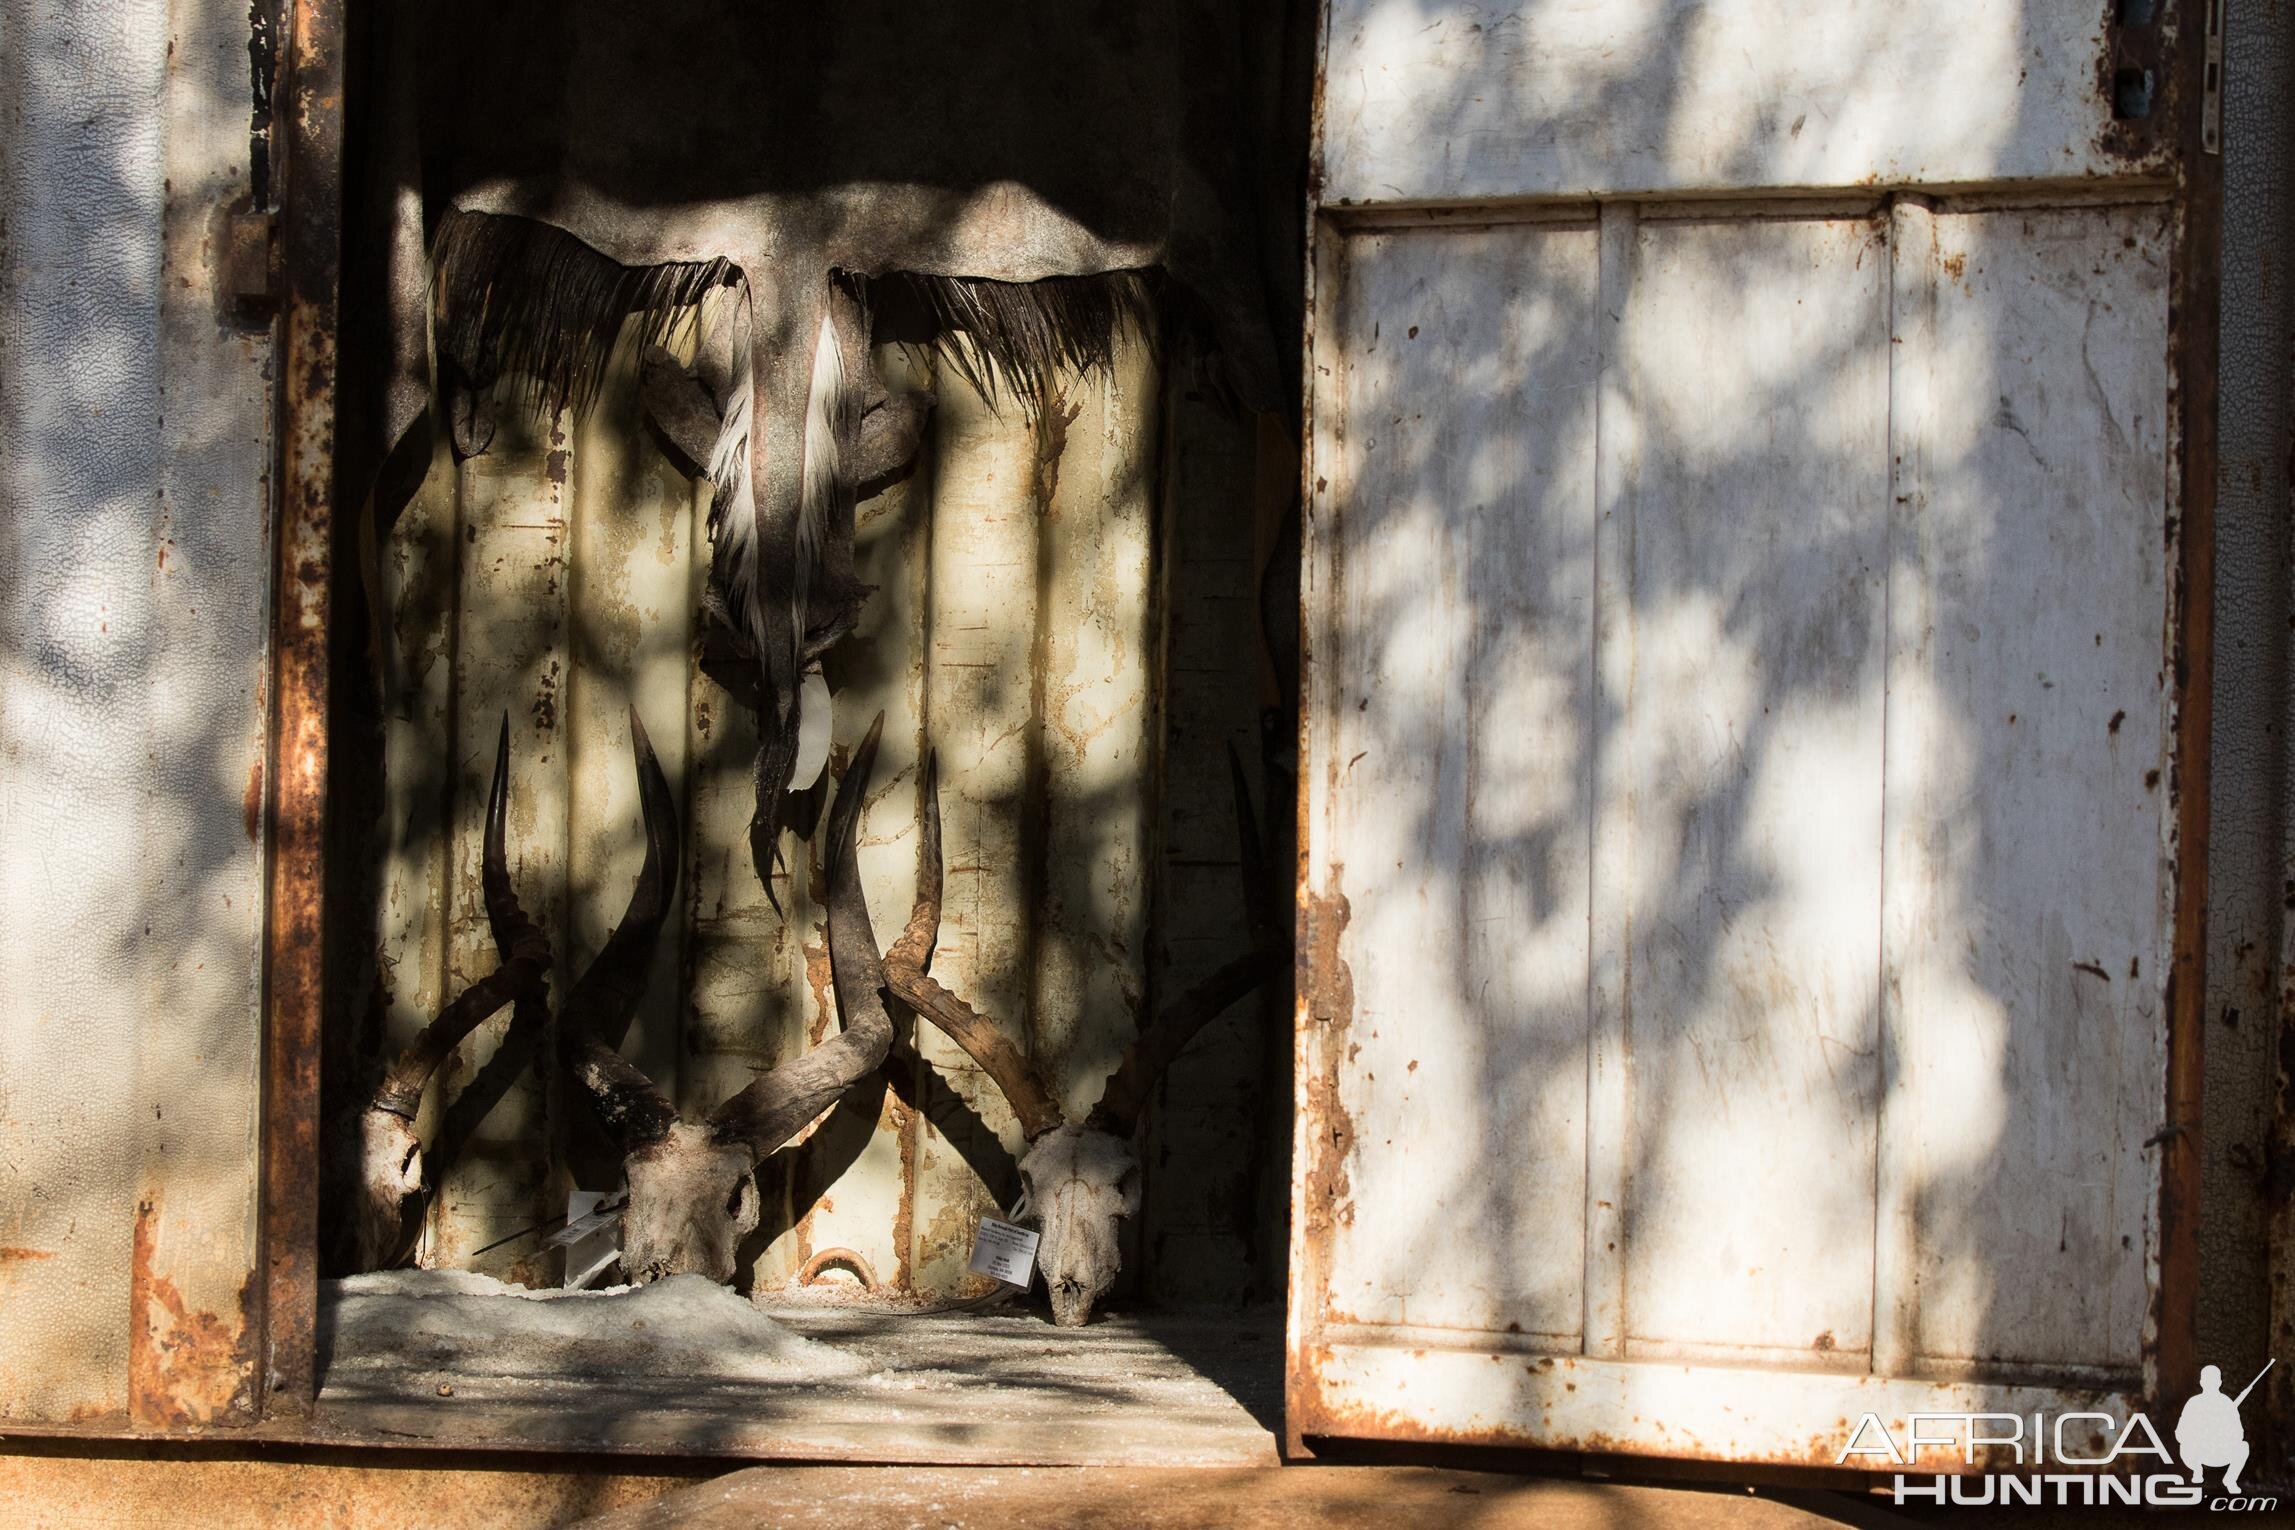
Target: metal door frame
(310,149)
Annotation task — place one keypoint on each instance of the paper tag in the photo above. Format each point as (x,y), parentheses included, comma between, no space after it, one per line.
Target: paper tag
(1004,1252)
(592,1236)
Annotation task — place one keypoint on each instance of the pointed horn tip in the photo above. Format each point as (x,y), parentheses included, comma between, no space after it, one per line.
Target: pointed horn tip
(854,787)
(498,791)
(863,762)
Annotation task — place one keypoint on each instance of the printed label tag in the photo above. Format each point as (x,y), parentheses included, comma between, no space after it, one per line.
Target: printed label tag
(592,1236)
(1004,1252)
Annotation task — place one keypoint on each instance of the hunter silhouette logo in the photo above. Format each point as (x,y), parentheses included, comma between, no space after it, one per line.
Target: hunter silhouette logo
(2070,1458)
(2208,1433)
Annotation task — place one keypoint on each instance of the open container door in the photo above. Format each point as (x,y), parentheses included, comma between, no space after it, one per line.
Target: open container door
(1760,488)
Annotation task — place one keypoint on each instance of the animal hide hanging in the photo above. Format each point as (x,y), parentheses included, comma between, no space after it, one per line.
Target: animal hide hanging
(525,301)
(1012,182)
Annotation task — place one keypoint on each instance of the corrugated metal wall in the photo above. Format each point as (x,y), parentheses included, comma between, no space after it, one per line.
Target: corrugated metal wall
(1017,630)
(135,444)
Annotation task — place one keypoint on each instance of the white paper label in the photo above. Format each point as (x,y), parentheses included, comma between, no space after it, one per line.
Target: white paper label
(1004,1252)
(592,1236)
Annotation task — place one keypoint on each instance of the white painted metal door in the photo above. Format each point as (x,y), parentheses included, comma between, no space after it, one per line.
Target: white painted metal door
(1750,849)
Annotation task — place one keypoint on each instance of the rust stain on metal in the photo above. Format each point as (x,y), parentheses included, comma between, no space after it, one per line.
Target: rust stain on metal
(903,1122)
(851,1259)
(2135,66)
(285,1311)
(251,802)
(820,980)
(185,1366)
(247,275)
(1326,1135)
(19,1255)
(1324,976)
(1820,1450)
(546,700)
(951,1229)
(1051,446)
(802,1235)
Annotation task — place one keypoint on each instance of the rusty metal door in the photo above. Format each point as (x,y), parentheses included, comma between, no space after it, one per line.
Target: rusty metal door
(1760,478)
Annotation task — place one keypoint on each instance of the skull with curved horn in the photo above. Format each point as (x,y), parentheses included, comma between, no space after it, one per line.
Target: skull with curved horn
(692,1191)
(377,1170)
(1081,1178)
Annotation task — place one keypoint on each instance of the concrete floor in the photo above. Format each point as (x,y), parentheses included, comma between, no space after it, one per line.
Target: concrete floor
(1145,1389)
(1281,1498)
(1155,1498)
(89,1486)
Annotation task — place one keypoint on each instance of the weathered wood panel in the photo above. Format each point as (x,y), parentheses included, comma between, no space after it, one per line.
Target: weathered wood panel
(511,660)
(1443,101)
(1096,719)
(1454,760)
(629,639)
(2029,887)
(983,613)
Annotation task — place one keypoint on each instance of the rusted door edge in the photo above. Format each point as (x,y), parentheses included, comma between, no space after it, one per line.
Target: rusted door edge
(310,117)
(1324,999)
(2171,1364)
(1311,1192)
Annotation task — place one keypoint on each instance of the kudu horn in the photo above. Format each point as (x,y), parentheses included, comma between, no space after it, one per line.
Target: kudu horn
(692,1197)
(386,1181)
(1150,1052)
(1081,1178)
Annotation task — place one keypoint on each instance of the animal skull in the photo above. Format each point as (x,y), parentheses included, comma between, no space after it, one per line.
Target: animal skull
(692,1192)
(1080,1183)
(1082,1178)
(389,1195)
(693,1198)
(374,1164)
